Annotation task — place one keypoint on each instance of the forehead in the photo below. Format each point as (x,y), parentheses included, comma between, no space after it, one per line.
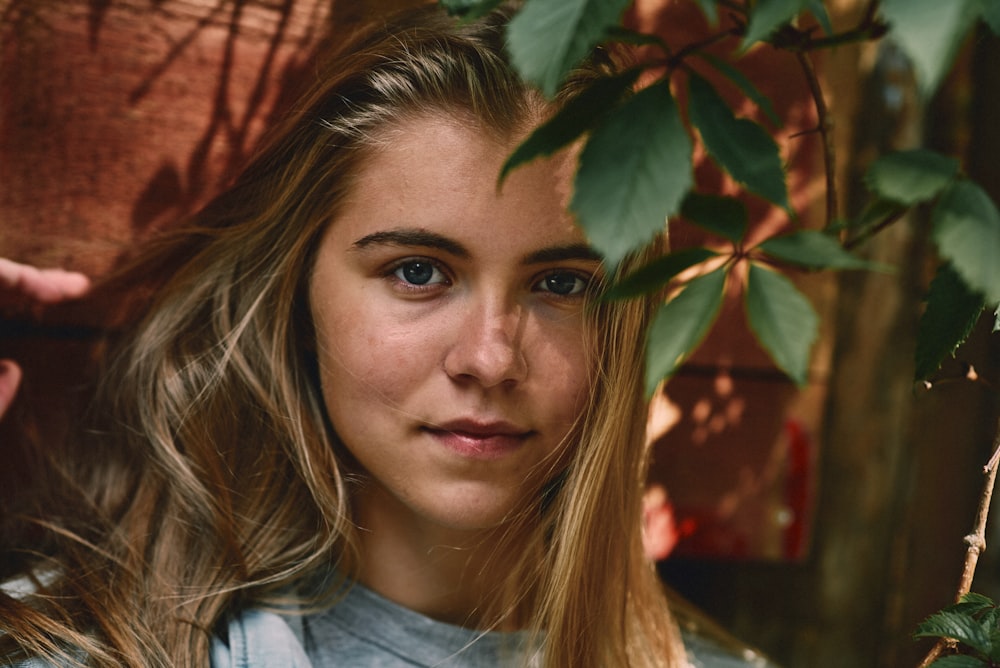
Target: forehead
(441,170)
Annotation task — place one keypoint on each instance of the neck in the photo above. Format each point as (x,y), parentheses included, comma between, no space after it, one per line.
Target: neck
(447,574)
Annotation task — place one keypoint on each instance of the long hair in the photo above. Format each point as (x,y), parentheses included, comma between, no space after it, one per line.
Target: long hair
(212,480)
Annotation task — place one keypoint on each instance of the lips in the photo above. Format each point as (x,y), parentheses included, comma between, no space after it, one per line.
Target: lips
(487,440)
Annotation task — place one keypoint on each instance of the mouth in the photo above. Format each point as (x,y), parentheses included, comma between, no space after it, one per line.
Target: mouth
(486,440)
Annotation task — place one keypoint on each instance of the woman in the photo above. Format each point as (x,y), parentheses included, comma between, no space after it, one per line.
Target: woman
(368,414)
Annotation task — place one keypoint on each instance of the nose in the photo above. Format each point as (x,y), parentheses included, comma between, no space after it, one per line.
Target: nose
(487,348)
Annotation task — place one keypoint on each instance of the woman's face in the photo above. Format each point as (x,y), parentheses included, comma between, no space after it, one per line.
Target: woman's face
(449,324)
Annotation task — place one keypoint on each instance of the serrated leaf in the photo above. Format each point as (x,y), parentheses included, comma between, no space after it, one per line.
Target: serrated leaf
(768,15)
(952,310)
(929,32)
(633,173)
(548,38)
(972,603)
(989,623)
(681,324)
(910,177)
(957,626)
(958,661)
(744,84)
(818,10)
(724,216)
(658,273)
(989,616)
(989,11)
(783,321)
(743,148)
(578,116)
(812,249)
(470,9)
(966,227)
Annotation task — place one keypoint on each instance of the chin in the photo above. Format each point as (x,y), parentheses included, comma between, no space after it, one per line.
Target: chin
(476,516)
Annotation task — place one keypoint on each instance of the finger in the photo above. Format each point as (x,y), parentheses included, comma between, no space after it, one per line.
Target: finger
(68,284)
(10,378)
(41,285)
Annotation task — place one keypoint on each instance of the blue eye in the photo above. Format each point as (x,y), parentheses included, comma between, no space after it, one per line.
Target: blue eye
(564,284)
(419,272)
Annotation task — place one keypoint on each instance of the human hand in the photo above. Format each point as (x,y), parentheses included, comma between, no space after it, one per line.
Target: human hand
(22,285)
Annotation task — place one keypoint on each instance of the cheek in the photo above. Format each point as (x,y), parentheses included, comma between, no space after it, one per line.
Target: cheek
(365,355)
(564,367)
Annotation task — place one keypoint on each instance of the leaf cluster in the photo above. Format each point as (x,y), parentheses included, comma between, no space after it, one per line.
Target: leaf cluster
(965,225)
(974,623)
(636,168)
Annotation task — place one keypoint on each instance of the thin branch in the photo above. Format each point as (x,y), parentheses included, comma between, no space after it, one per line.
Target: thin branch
(868,28)
(872,231)
(676,59)
(825,129)
(975,543)
(968,374)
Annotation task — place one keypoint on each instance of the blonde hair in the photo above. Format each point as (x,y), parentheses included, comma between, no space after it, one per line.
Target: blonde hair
(215,482)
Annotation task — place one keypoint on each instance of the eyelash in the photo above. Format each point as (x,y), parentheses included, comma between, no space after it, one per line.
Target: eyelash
(393,270)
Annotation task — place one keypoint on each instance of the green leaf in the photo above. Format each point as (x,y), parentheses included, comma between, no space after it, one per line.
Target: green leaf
(681,324)
(812,249)
(957,626)
(929,32)
(710,11)
(470,9)
(972,603)
(818,10)
(909,177)
(952,311)
(579,115)
(740,146)
(548,38)
(966,227)
(744,84)
(783,321)
(989,11)
(725,216)
(958,661)
(633,173)
(769,15)
(658,273)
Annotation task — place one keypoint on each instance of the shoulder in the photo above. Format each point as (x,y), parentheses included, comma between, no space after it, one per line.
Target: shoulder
(259,639)
(709,645)
(705,652)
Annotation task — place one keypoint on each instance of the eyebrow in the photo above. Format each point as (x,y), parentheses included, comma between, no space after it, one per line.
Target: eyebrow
(413,237)
(426,239)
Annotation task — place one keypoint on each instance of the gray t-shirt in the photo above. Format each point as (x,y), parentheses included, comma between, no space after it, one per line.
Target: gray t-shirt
(365,629)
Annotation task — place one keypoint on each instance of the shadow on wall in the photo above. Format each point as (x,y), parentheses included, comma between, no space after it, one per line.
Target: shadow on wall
(119,117)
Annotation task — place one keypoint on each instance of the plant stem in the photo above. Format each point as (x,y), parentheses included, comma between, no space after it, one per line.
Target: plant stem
(872,231)
(825,128)
(975,542)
